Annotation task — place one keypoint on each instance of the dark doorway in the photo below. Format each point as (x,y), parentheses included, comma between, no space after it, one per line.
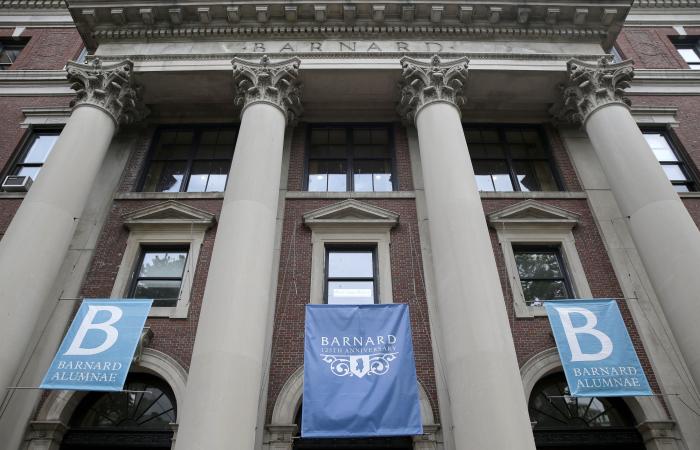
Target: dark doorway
(135,420)
(563,422)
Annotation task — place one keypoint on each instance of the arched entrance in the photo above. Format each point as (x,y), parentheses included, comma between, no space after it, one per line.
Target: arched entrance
(135,420)
(562,422)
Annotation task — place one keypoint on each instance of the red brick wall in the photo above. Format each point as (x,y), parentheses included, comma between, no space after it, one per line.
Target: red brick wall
(174,337)
(47,49)
(650,48)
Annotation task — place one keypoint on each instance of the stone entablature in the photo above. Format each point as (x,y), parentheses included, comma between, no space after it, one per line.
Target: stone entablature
(565,19)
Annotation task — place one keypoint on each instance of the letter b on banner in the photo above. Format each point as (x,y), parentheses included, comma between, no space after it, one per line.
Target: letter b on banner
(111,333)
(588,328)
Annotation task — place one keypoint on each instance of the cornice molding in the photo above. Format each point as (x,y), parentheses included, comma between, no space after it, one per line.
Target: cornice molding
(425,83)
(110,88)
(666,3)
(274,83)
(592,86)
(33,4)
(100,21)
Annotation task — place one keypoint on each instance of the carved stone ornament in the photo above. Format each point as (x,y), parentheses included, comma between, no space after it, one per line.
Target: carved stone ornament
(267,82)
(110,88)
(424,83)
(591,86)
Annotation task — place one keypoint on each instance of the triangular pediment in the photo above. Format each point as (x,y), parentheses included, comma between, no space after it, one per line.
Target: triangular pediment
(351,212)
(531,212)
(171,213)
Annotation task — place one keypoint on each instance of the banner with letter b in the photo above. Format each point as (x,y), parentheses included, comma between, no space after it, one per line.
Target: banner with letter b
(97,350)
(359,372)
(596,351)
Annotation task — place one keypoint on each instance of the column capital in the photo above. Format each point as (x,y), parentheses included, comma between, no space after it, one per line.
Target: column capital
(591,86)
(109,87)
(275,83)
(423,83)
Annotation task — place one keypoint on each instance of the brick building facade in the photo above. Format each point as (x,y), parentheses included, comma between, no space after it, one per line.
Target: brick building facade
(146,168)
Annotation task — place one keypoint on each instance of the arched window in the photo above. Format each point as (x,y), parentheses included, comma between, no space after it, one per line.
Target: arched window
(562,422)
(134,420)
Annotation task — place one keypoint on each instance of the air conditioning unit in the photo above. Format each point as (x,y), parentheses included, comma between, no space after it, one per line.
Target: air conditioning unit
(16,183)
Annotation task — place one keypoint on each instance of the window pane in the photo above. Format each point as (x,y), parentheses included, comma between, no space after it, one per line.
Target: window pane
(218,176)
(660,146)
(163,264)
(199,176)
(171,176)
(526,176)
(538,265)
(30,171)
(174,144)
(681,188)
(372,176)
(689,55)
(350,292)
(492,176)
(674,172)
(155,289)
(40,149)
(327,176)
(544,290)
(350,264)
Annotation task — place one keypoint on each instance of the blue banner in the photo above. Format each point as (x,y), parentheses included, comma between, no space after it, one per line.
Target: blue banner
(97,350)
(596,351)
(359,372)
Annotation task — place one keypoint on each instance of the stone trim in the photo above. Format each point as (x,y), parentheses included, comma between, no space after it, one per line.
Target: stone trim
(44,116)
(656,115)
(169,222)
(532,222)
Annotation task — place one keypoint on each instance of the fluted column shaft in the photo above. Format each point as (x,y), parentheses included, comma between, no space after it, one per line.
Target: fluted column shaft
(477,352)
(666,237)
(35,244)
(225,378)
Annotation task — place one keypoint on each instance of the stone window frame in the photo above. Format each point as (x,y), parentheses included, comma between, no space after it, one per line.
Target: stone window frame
(167,223)
(535,223)
(351,223)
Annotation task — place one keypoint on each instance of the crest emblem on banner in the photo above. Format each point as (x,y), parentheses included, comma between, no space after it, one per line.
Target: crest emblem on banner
(360,365)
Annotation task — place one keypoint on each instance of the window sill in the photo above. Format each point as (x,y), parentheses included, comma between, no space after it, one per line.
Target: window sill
(689,194)
(167,195)
(545,195)
(171,312)
(12,195)
(393,194)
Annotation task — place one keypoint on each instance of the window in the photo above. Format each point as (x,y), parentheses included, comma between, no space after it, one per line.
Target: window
(674,167)
(159,274)
(690,52)
(9,51)
(617,58)
(190,159)
(36,151)
(350,158)
(542,273)
(350,276)
(507,159)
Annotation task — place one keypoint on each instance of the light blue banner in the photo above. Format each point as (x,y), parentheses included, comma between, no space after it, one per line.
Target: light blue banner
(359,372)
(97,350)
(596,351)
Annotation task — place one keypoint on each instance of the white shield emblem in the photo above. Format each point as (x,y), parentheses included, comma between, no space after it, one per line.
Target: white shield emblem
(359,365)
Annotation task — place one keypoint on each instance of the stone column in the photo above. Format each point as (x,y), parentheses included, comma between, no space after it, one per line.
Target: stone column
(225,379)
(36,242)
(664,234)
(476,347)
